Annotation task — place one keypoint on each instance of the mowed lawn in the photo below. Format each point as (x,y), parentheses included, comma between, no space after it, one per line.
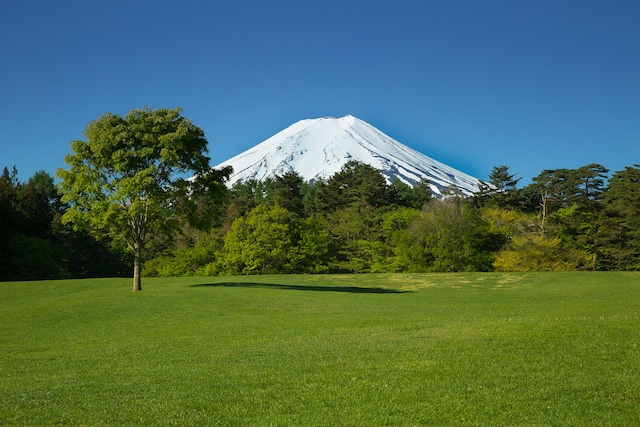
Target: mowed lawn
(324,350)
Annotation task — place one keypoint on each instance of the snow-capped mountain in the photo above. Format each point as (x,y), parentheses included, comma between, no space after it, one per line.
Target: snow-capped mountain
(318,148)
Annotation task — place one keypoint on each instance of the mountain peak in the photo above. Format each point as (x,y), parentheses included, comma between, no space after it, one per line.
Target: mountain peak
(318,148)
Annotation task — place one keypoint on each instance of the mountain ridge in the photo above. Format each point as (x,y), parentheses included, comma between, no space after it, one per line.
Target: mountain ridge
(318,148)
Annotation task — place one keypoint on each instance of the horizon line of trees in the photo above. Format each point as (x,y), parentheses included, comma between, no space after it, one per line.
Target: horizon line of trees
(353,222)
(35,244)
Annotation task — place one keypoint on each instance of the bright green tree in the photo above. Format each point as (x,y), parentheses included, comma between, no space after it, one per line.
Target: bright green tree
(261,242)
(312,252)
(129,178)
(537,252)
(458,238)
(402,229)
(270,239)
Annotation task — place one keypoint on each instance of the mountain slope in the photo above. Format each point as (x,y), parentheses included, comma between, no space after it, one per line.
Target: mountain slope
(318,148)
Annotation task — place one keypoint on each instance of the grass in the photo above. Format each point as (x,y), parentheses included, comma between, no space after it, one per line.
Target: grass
(359,350)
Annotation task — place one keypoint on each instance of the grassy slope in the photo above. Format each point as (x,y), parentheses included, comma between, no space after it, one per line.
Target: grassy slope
(532,349)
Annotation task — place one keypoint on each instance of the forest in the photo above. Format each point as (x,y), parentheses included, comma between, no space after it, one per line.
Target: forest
(353,222)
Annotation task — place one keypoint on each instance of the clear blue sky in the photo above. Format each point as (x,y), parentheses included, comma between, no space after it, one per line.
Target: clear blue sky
(529,84)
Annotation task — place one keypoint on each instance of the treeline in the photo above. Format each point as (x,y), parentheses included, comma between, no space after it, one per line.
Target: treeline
(354,222)
(566,219)
(34,244)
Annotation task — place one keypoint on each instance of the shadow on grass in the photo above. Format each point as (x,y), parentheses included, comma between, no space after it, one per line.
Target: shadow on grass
(349,289)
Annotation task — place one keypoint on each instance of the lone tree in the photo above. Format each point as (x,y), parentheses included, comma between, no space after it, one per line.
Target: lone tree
(127,180)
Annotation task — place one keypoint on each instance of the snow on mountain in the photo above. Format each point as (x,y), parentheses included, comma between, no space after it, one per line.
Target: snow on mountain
(318,148)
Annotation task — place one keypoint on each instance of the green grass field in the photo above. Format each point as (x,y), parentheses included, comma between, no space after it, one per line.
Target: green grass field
(357,350)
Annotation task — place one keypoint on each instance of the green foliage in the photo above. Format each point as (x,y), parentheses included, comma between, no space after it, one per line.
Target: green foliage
(354,232)
(247,195)
(356,184)
(501,190)
(459,238)
(577,221)
(126,179)
(536,252)
(401,230)
(444,236)
(39,204)
(121,179)
(355,222)
(187,261)
(508,222)
(32,258)
(271,239)
(620,231)
(455,234)
(33,242)
(415,196)
(287,193)
(259,243)
(9,217)
(82,256)
(26,208)
(528,249)
(312,252)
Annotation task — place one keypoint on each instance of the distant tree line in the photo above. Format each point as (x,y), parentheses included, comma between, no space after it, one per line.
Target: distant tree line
(353,222)
(356,222)
(34,244)
(566,219)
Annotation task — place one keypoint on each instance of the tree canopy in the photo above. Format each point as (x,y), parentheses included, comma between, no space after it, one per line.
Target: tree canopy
(129,177)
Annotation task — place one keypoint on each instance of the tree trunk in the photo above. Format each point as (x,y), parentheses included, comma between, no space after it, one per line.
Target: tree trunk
(543,204)
(137,260)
